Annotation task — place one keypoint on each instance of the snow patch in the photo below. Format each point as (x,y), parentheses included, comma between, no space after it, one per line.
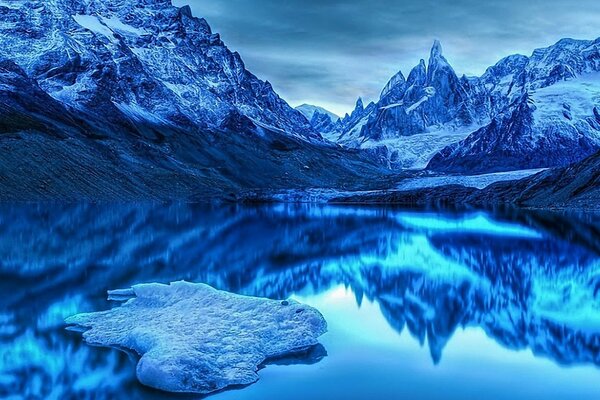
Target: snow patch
(140,114)
(575,98)
(429,93)
(415,151)
(117,25)
(93,24)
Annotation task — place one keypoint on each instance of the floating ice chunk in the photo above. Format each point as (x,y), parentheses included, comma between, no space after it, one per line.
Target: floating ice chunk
(193,338)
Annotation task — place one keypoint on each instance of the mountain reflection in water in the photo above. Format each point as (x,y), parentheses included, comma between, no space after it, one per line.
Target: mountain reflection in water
(529,280)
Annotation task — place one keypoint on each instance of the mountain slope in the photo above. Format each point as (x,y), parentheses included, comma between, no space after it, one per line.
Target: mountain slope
(148,60)
(479,124)
(546,112)
(574,186)
(552,126)
(105,100)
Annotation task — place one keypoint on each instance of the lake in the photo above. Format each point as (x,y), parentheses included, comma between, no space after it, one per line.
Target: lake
(420,304)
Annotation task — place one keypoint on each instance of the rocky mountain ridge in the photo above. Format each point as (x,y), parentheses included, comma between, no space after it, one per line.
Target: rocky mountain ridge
(475,118)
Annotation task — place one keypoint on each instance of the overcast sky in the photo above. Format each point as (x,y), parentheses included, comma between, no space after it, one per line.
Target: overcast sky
(329,52)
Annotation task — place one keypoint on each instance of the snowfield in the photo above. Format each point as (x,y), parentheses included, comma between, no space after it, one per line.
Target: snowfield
(573,99)
(474,181)
(415,151)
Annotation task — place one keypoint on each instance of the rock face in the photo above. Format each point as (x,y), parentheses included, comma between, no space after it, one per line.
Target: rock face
(139,99)
(472,121)
(195,339)
(143,60)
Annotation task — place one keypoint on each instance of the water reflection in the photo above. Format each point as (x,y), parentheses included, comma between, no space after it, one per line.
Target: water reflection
(529,280)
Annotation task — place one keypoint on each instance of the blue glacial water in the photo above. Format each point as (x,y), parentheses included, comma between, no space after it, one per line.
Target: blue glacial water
(420,304)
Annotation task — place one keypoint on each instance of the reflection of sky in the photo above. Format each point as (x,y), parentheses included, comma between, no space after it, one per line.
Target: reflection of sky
(475,223)
(368,359)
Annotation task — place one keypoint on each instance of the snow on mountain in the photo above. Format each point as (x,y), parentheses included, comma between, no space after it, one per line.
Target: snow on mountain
(321,120)
(553,126)
(476,118)
(432,100)
(139,58)
(141,100)
(309,111)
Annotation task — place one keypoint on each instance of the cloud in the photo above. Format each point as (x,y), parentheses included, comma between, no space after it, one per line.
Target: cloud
(329,52)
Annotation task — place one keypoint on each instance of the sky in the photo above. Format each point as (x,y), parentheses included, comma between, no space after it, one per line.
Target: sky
(330,52)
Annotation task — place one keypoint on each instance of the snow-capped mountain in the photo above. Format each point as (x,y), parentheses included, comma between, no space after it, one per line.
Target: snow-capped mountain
(145,60)
(322,120)
(551,118)
(112,99)
(308,110)
(523,112)
(347,130)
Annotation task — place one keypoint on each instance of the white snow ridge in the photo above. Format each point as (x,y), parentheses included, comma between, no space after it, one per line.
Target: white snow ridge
(196,339)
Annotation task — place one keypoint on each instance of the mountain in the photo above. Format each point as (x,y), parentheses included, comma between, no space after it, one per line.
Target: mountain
(142,60)
(523,112)
(321,120)
(309,111)
(553,118)
(533,132)
(140,99)
(348,129)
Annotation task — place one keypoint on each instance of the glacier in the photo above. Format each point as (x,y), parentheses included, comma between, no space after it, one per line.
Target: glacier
(192,338)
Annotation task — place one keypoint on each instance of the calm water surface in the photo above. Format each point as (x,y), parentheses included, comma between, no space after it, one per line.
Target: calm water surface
(474,304)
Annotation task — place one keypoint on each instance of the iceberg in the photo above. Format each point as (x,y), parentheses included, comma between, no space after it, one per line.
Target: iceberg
(192,338)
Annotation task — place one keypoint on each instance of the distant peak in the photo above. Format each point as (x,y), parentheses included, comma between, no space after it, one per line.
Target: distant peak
(399,77)
(186,10)
(417,74)
(359,104)
(436,49)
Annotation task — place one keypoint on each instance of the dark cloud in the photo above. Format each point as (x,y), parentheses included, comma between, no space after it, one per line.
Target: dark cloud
(330,52)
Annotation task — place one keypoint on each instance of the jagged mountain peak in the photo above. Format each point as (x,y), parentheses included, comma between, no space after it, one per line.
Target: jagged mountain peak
(436,49)
(359,105)
(418,75)
(396,80)
(434,99)
(438,63)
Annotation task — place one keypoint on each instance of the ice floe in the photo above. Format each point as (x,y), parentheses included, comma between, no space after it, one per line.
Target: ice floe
(196,339)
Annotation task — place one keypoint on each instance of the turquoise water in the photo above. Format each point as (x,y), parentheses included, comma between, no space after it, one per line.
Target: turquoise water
(420,304)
